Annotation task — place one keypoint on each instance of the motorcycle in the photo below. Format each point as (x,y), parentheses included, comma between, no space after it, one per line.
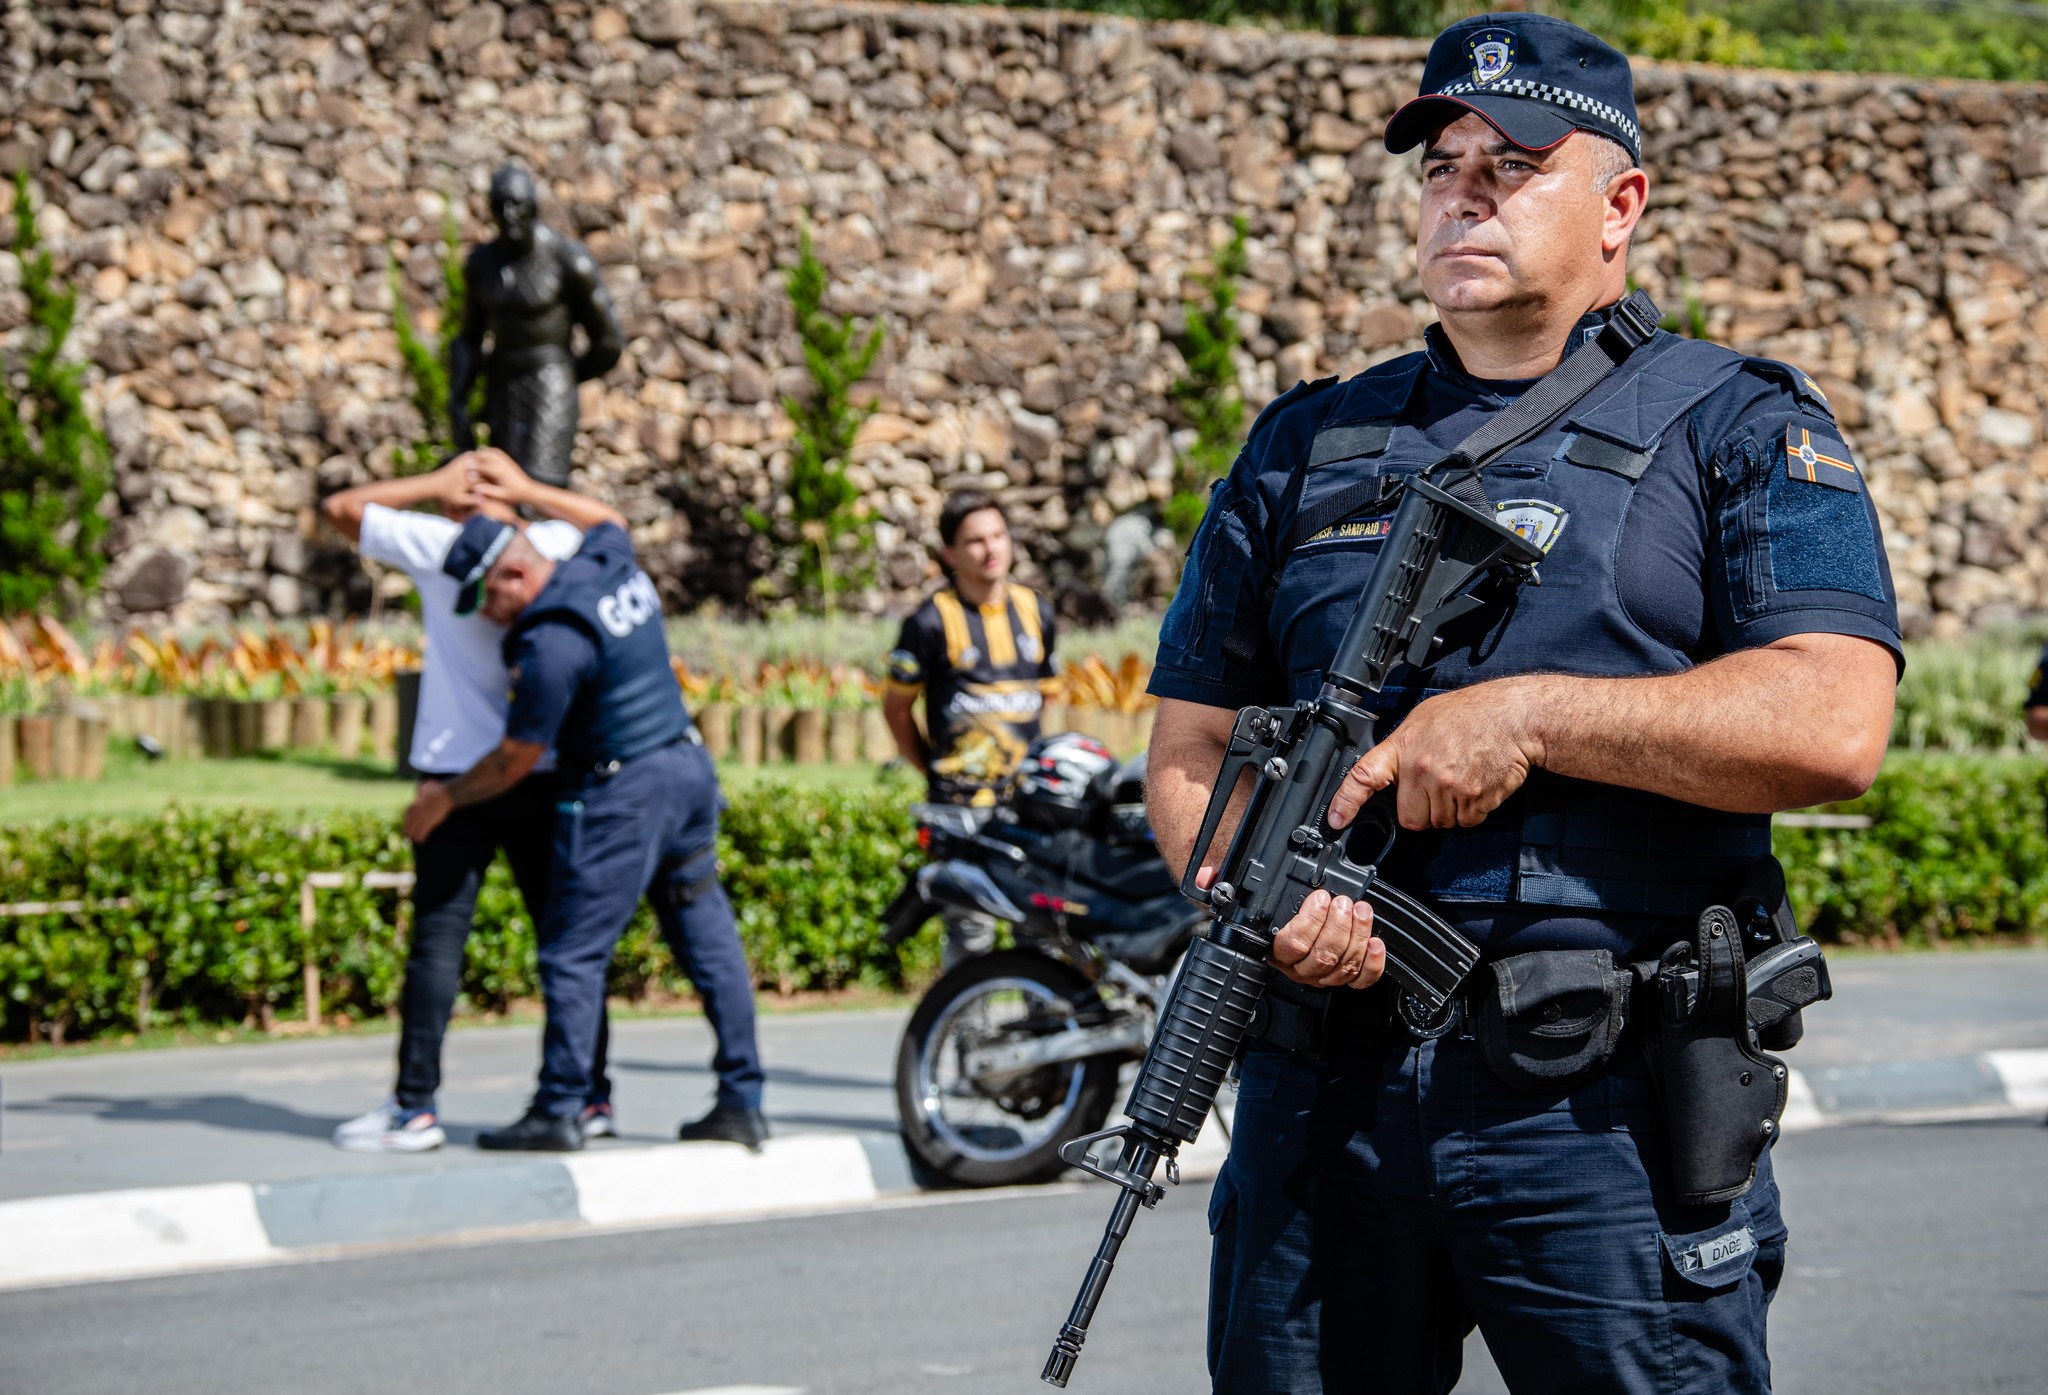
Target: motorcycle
(1011,1055)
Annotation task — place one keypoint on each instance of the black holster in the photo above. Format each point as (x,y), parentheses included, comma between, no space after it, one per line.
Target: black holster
(1723,1094)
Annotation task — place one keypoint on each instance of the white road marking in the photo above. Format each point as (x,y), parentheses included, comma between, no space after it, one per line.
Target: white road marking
(104,1235)
(745,1390)
(2025,1074)
(686,1181)
(1802,1110)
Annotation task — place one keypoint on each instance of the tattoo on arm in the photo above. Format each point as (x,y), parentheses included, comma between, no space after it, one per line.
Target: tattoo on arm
(490,777)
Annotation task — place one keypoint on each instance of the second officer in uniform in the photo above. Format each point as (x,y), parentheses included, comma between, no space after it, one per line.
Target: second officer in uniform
(590,675)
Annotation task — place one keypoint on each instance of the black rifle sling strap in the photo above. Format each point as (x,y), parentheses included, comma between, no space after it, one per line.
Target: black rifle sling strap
(1628,328)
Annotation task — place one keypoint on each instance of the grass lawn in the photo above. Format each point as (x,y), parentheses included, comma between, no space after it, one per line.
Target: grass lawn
(136,787)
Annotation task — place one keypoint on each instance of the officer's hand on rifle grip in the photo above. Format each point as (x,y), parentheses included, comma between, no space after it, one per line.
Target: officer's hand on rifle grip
(1452,761)
(1329,944)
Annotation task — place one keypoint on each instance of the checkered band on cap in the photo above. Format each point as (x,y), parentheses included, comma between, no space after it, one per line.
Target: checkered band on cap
(1556,96)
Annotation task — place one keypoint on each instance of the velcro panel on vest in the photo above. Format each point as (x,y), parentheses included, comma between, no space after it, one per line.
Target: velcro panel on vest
(1349,442)
(1600,454)
(1623,859)
(1658,385)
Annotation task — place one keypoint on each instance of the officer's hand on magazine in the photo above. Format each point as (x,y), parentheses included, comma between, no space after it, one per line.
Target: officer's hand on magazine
(1328,944)
(1452,761)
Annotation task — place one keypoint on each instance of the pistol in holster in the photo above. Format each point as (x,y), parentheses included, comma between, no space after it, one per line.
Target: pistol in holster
(1722,997)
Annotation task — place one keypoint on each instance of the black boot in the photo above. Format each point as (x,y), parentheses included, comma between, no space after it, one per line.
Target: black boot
(728,1123)
(535,1133)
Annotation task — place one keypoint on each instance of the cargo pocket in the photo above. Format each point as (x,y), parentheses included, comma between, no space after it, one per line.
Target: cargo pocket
(1716,1258)
(1554,1018)
(1222,1204)
(568,832)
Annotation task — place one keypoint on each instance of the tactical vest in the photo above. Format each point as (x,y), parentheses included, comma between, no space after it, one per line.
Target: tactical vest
(1557,841)
(633,705)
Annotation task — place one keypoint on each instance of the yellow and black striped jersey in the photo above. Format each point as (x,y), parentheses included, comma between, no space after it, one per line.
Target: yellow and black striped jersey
(982,670)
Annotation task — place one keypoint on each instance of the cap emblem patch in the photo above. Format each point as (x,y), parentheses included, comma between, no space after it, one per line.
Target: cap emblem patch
(1493,54)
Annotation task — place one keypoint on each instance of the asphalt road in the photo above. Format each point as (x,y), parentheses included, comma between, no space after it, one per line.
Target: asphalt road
(1918,1264)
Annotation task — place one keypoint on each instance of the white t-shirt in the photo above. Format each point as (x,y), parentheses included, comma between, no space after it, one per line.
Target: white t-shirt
(462,686)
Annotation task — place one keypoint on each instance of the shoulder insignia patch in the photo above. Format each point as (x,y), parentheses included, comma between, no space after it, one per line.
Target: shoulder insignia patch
(1537,520)
(904,667)
(1818,459)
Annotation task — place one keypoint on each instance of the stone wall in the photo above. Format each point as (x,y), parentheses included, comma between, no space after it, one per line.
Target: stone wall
(1022,197)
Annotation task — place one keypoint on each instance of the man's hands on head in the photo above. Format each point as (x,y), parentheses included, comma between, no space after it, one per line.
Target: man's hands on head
(1452,761)
(493,475)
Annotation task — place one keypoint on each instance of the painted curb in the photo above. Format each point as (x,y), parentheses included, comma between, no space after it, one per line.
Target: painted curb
(130,1234)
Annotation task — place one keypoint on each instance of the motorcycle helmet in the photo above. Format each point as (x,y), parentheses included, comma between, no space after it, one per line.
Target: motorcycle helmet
(1063,779)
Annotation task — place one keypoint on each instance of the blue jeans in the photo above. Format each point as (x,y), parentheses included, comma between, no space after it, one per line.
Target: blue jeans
(650,830)
(1376,1206)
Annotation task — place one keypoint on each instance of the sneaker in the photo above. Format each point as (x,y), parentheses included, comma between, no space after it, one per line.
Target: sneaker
(390,1129)
(728,1123)
(598,1121)
(535,1132)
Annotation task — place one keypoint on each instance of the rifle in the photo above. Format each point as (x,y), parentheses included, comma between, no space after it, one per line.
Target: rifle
(1443,541)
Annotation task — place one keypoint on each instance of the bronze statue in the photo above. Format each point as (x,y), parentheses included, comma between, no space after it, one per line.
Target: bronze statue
(527,290)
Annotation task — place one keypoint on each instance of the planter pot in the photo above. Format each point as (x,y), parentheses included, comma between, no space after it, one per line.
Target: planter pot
(7,749)
(273,724)
(92,747)
(807,737)
(747,733)
(345,724)
(714,724)
(383,726)
(309,723)
(1141,728)
(191,726)
(842,736)
(220,726)
(775,734)
(876,744)
(64,745)
(37,735)
(407,683)
(1052,718)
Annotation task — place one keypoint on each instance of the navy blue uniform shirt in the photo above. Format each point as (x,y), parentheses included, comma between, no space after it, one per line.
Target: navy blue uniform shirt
(1749,523)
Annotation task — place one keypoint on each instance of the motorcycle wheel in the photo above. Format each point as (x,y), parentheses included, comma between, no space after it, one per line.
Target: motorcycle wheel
(1006,1131)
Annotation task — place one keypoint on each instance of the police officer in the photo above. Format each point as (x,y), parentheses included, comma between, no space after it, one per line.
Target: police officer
(1714,637)
(590,675)
(461,716)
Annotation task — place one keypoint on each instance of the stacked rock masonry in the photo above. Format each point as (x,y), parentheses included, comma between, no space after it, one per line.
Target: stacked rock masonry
(1021,196)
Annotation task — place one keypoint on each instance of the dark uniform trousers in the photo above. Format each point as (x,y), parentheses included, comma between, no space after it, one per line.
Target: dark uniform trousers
(1377,1205)
(449,870)
(650,830)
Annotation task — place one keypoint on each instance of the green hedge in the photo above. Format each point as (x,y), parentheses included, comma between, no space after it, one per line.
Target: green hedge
(1958,851)
(212,935)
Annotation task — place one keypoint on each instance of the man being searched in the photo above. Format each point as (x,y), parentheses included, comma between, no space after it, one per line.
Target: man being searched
(461,716)
(1712,636)
(637,816)
(980,651)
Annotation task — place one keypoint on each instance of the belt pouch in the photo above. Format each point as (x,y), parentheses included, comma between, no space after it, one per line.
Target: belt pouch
(1554,1018)
(1722,1093)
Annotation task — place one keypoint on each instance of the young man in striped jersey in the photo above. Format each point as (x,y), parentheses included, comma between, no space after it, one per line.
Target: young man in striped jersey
(980,651)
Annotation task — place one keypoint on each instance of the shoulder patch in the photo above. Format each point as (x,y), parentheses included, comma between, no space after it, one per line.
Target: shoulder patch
(1801,383)
(1819,459)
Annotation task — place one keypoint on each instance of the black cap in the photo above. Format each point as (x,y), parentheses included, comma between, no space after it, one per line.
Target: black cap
(1534,78)
(477,547)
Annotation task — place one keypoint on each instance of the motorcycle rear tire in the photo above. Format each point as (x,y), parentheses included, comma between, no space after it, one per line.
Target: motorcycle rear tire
(1085,1113)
